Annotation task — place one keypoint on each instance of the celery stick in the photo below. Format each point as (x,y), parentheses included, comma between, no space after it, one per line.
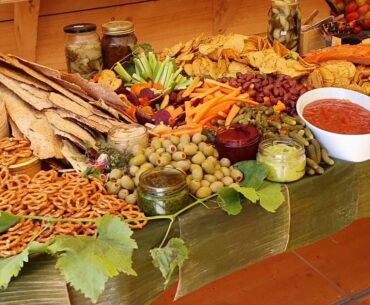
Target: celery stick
(157,70)
(164,75)
(152,60)
(139,68)
(160,72)
(168,76)
(120,70)
(146,66)
(138,78)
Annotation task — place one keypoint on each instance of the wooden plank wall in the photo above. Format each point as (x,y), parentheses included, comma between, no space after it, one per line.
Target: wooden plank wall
(160,22)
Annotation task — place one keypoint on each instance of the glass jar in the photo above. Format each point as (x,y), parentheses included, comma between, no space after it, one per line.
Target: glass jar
(162,191)
(82,49)
(238,143)
(285,158)
(116,41)
(285,23)
(125,137)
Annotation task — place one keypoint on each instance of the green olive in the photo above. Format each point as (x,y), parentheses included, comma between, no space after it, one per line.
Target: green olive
(131,199)
(133,170)
(178,156)
(225,162)
(174,139)
(136,180)
(166,143)
(184,165)
(218,166)
(210,178)
(201,145)
(190,149)
(194,185)
(227,180)
(180,146)
(113,187)
(198,158)
(205,183)
(153,158)
(189,178)
(123,194)
(203,192)
(197,172)
(171,149)
(148,151)
(216,186)
(233,185)
(160,151)
(138,160)
(169,166)
(226,171)
(185,138)
(204,138)
(208,167)
(236,174)
(115,174)
(127,183)
(197,138)
(164,159)
(147,166)
(156,143)
(218,174)
(208,150)
(216,153)
(137,149)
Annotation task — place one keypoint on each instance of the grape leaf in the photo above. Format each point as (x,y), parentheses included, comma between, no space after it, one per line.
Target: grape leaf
(248,192)
(11,266)
(87,262)
(7,220)
(230,201)
(254,173)
(36,248)
(169,257)
(271,196)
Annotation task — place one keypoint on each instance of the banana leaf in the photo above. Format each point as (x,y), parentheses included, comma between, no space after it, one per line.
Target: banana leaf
(315,207)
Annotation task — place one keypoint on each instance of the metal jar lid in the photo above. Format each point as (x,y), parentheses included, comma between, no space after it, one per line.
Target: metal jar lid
(118,27)
(79,28)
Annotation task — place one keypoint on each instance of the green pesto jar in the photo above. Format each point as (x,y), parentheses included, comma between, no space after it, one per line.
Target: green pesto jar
(162,191)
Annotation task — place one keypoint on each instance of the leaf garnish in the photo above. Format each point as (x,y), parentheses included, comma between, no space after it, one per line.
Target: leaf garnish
(230,201)
(11,266)
(270,196)
(7,220)
(254,173)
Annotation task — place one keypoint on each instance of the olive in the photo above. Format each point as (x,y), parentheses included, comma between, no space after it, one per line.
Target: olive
(205,183)
(197,138)
(185,138)
(138,160)
(133,170)
(156,143)
(210,178)
(204,138)
(160,151)
(208,150)
(174,139)
(189,178)
(190,149)
(236,174)
(169,166)
(197,172)
(216,186)
(164,159)
(147,166)
(234,185)
(184,165)
(171,149)
(113,187)
(166,143)
(201,145)
(136,180)
(225,162)
(208,167)
(194,185)
(218,174)
(137,149)
(153,158)
(203,192)
(123,194)
(127,183)
(198,158)
(227,180)
(216,153)
(115,174)
(148,151)
(226,171)
(178,156)
(131,199)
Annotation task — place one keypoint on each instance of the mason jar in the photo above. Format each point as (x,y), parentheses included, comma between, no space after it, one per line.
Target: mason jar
(82,49)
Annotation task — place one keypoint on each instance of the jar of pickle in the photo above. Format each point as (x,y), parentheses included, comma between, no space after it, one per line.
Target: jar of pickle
(82,49)
(285,23)
(116,41)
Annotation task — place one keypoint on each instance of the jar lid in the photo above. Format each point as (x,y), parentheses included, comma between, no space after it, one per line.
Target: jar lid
(162,180)
(79,28)
(238,136)
(118,27)
(288,148)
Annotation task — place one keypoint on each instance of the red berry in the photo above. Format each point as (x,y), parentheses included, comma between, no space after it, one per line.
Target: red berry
(352,16)
(351,7)
(363,10)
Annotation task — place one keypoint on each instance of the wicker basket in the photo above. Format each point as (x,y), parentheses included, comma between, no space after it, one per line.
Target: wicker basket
(30,167)
(4,128)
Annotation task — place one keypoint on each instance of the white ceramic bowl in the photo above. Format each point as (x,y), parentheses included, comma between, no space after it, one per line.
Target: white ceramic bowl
(355,148)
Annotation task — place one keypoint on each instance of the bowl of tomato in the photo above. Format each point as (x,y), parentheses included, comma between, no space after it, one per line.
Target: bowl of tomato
(340,120)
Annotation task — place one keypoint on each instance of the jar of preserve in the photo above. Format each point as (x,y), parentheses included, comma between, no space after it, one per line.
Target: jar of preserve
(82,49)
(125,137)
(238,143)
(285,23)
(285,158)
(116,41)
(162,191)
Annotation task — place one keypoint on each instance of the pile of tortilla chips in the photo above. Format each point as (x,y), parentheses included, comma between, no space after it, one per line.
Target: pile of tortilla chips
(225,55)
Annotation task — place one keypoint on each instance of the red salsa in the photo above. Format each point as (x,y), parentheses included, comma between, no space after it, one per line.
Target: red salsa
(338,116)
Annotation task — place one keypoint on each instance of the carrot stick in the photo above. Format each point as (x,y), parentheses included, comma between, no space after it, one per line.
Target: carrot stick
(222,114)
(212,83)
(220,107)
(205,93)
(180,132)
(232,114)
(188,112)
(205,107)
(177,112)
(191,88)
(207,119)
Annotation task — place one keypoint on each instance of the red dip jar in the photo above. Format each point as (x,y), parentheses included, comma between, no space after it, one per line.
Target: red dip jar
(238,143)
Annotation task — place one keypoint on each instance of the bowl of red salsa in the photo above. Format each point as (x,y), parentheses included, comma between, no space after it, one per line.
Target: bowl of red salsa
(340,120)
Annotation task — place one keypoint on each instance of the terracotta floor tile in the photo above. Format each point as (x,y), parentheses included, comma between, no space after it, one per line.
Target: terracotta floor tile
(281,280)
(344,257)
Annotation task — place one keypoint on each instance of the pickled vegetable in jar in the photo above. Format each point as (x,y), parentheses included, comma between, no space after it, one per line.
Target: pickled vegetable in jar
(116,41)
(285,23)
(125,137)
(285,158)
(162,191)
(82,49)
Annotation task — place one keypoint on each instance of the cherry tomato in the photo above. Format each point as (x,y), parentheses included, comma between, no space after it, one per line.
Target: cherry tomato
(351,7)
(364,9)
(352,16)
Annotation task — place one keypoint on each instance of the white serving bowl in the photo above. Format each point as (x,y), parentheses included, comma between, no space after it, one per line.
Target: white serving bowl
(355,148)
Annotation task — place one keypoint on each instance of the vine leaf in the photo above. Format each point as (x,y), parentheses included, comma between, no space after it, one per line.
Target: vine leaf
(11,266)
(230,201)
(7,220)
(248,192)
(169,257)
(254,173)
(271,196)
(87,262)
